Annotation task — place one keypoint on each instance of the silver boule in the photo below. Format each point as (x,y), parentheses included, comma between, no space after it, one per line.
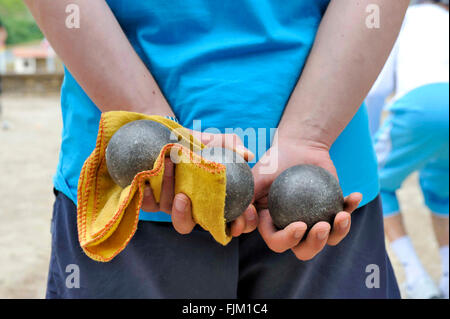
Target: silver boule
(240,185)
(304,193)
(134,148)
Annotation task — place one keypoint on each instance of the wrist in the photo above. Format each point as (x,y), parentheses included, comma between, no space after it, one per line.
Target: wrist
(301,137)
(152,106)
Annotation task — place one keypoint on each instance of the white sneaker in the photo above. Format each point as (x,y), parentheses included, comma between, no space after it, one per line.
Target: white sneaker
(422,288)
(443,287)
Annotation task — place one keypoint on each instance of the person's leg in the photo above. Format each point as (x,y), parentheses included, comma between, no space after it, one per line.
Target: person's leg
(440,226)
(157,263)
(394,227)
(404,144)
(444,281)
(356,268)
(434,181)
(403,248)
(393,171)
(441,231)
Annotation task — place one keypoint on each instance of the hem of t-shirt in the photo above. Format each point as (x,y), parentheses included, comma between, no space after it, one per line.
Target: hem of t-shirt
(369,192)
(155,217)
(62,187)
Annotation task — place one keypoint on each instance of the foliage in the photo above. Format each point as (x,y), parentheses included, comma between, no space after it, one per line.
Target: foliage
(18,22)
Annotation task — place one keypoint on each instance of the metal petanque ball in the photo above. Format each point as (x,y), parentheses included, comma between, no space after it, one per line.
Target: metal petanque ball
(134,148)
(240,184)
(304,193)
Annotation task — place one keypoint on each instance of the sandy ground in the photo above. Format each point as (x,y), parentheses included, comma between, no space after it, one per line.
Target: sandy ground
(28,158)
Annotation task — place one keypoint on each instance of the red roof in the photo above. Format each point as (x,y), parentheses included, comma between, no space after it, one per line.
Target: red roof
(31,52)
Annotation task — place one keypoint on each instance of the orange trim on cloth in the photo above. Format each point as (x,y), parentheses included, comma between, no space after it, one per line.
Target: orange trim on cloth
(107,215)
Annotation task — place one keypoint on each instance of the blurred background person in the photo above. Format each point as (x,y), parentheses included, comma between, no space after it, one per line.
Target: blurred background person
(414,137)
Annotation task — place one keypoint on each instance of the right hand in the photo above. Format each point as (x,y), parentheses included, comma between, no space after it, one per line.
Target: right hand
(179,205)
(283,154)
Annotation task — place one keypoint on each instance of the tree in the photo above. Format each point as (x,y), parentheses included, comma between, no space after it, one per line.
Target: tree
(18,21)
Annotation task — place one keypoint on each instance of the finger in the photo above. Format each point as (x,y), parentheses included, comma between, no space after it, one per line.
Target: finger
(262,203)
(251,219)
(234,142)
(167,189)
(351,202)
(262,182)
(148,203)
(238,226)
(245,223)
(280,240)
(341,227)
(230,141)
(181,214)
(314,243)
(244,152)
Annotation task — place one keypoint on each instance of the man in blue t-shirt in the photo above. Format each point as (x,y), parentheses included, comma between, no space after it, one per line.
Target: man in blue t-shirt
(288,80)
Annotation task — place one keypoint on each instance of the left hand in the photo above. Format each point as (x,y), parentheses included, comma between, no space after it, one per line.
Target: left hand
(179,205)
(282,155)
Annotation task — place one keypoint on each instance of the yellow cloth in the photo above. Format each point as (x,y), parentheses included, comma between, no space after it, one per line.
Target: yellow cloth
(108,215)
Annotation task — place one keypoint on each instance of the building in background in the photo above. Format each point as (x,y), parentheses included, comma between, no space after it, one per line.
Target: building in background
(31,68)
(32,59)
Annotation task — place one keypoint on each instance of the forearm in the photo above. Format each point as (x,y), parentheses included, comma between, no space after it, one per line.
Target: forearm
(344,62)
(100,57)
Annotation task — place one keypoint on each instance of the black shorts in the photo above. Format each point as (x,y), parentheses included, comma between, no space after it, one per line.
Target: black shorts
(160,263)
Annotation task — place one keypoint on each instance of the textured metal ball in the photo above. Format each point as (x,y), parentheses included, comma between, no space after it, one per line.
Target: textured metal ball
(240,185)
(134,148)
(304,193)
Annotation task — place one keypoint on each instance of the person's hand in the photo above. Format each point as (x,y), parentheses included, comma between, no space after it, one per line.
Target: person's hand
(179,205)
(282,155)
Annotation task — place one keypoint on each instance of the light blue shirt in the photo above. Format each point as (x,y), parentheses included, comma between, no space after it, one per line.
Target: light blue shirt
(231,64)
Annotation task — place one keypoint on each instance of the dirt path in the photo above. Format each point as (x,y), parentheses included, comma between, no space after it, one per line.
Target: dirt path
(28,158)
(418,223)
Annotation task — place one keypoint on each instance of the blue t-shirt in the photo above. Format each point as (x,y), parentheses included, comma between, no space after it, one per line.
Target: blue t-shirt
(230,64)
